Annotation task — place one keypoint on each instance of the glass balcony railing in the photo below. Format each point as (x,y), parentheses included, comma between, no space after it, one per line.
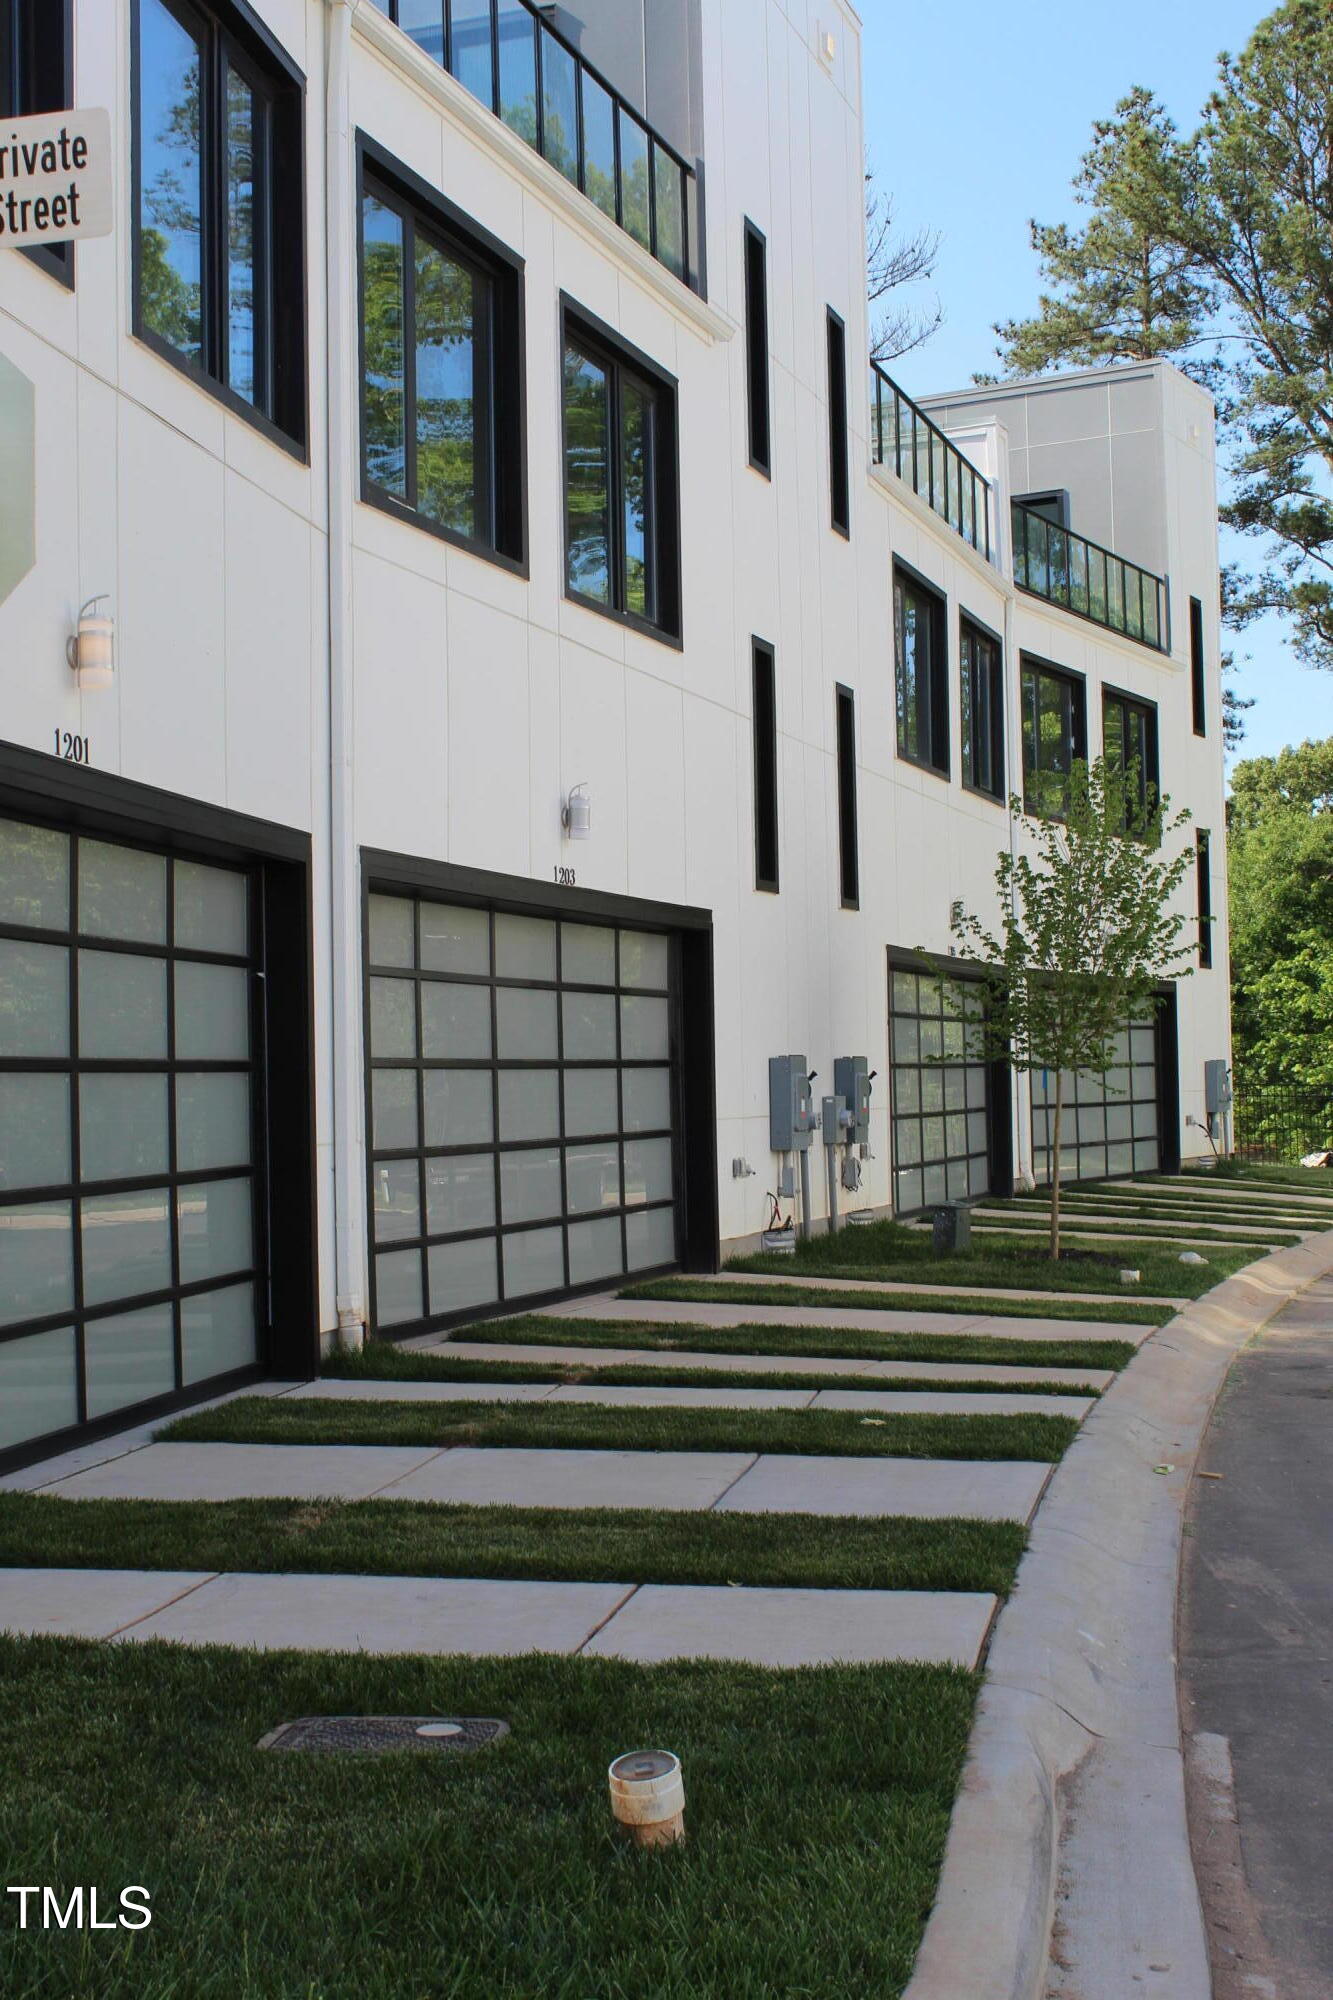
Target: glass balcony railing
(904,438)
(507,55)
(1069,570)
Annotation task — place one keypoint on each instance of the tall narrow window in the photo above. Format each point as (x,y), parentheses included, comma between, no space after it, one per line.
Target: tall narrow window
(1129,738)
(219,274)
(756,348)
(1203,869)
(36,75)
(921,673)
(839,498)
(849,860)
(1198,680)
(441,393)
(981,691)
(765,767)
(621,539)
(1055,736)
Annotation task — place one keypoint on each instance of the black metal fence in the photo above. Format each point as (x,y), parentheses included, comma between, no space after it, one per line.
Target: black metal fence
(1277,1123)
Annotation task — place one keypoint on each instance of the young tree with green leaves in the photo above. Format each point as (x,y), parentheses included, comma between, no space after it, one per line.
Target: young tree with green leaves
(1230,233)
(1086,932)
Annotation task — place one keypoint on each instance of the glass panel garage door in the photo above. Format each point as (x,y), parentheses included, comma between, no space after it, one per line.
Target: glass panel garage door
(128,1242)
(938,1103)
(1110,1124)
(522,1094)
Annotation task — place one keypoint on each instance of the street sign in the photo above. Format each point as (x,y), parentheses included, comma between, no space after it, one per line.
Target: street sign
(55,178)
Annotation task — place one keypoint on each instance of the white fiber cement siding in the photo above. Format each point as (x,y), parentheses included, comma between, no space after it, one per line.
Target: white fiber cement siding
(479,696)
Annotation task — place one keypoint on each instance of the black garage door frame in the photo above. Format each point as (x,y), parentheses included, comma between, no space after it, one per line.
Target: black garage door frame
(999,1074)
(51,792)
(695,1170)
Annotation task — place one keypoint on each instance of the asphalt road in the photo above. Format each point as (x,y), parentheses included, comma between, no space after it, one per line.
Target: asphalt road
(1256,1663)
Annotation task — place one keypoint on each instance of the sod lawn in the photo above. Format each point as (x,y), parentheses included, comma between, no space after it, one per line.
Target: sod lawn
(817,1806)
(584,1545)
(825,1343)
(588,1427)
(890,1250)
(382,1361)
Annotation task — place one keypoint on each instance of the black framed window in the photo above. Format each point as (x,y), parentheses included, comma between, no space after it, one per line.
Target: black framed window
(1129,740)
(840,506)
(921,672)
(1055,735)
(756,349)
(849,858)
(765,698)
(981,716)
(1198,681)
(622,532)
(36,75)
(1203,875)
(219,201)
(441,368)
(1112,1122)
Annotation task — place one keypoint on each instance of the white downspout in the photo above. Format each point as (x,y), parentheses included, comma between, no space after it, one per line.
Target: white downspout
(1013,771)
(349,1224)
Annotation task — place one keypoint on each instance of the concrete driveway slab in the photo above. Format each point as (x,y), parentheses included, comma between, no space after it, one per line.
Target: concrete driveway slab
(246,1472)
(387,1614)
(593,1358)
(87,1603)
(858,1319)
(931,1489)
(797,1628)
(388,1389)
(519,1477)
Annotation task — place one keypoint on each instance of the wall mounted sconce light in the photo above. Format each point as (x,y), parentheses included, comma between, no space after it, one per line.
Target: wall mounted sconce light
(91,649)
(576,814)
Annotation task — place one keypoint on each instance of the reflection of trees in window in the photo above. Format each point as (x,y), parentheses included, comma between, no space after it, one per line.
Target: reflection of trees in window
(384,390)
(919,660)
(1054,738)
(215,132)
(446,303)
(1129,736)
(619,485)
(171,202)
(587,477)
(518,68)
(433,333)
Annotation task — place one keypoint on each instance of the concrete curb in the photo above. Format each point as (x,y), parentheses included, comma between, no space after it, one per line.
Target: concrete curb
(1067,1874)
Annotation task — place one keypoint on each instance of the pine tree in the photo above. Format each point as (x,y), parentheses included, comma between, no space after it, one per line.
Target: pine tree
(1122,290)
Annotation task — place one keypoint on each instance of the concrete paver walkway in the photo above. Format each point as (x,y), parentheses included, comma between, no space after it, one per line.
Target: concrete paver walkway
(481,1616)
(919,1403)
(998,1490)
(845,1319)
(593,1358)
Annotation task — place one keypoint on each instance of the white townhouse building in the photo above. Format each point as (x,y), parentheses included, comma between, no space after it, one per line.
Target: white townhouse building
(545,685)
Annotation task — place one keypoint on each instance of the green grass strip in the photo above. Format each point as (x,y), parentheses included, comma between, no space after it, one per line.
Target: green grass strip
(890,1251)
(924,1345)
(381,1361)
(823,1343)
(818,1805)
(1171,1213)
(575,1545)
(588,1427)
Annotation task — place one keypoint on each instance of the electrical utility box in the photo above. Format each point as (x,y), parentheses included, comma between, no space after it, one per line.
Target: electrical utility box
(1216,1087)
(791,1111)
(851,1082)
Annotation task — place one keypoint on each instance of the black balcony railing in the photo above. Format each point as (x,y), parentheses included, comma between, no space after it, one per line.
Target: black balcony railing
(524,71)
(905,439)
(1069,570)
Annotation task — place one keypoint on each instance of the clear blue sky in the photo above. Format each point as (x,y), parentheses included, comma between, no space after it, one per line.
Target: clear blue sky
(976,118)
